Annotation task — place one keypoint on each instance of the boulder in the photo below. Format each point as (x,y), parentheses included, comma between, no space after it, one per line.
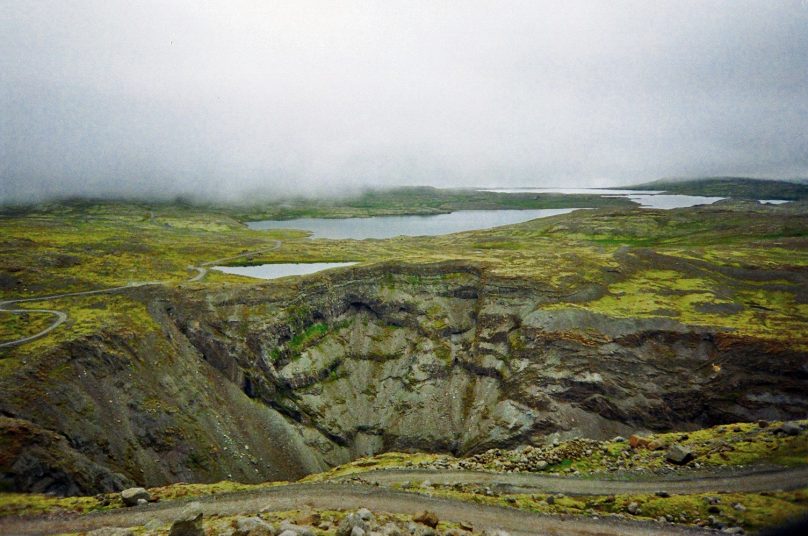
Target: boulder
(391,529)
(633,508)
(679,455)
(299,530)
(131,496)
(351,521)
(789,428)
(428,518)
(252,526)
(188,522)
(637,442)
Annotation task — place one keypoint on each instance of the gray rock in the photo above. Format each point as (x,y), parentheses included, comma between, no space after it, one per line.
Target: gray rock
(131,496)
(351,521)
(391,529)
(253,526)
(365,515)
(679,455)
(141,502)
(288,533)
(299,530)
(740,507)
(357,531)
(789,428)
(111,531)
(189,522)
(633,508)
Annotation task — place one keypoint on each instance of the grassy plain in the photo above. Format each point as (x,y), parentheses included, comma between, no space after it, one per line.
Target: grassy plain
(738,266)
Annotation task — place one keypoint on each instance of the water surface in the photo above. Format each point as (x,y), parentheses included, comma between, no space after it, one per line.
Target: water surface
(391,226)
(274,271)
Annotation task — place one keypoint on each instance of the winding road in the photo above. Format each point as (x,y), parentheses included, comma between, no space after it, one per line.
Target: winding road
(347,496)
(344,495)
(62,316)
(744,481)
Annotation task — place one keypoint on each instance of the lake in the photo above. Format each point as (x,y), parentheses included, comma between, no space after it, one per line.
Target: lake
(391,226)
(274,271)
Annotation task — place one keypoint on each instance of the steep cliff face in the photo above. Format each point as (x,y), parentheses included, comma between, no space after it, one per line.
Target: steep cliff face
(121,408)
(443,358)
(277,380)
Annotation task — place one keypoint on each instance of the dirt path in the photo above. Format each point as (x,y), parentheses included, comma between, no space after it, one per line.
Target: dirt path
(61,316)
(532,483)
(202,269)
(350,496)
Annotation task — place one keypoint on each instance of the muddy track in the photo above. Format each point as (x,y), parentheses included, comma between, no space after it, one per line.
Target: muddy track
(62,316)
(349,496)
(747,481)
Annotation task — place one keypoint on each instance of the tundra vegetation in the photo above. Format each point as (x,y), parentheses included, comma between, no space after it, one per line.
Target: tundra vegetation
(731,275)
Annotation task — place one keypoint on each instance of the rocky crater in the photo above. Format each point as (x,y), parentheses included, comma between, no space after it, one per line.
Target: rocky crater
(445,358)
(277,380)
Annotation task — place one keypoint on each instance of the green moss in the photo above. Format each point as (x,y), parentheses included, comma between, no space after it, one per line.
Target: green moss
(307,336)
(381,461)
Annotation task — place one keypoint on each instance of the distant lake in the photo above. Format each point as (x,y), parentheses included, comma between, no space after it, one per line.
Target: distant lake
(646,198)
(391,226)
(274,271)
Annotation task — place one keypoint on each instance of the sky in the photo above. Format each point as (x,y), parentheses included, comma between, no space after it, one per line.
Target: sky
(234,99)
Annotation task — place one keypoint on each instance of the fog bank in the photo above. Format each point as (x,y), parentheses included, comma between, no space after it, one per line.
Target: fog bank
(223,99)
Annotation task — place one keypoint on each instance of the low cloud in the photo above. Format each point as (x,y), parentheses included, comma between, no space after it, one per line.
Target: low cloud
(226,99)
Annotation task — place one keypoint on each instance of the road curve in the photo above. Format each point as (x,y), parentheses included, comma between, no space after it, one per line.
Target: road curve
(61,316)
(349,496)
(202,269)
(534,483)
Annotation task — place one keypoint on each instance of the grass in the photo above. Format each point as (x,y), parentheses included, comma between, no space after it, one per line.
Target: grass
(28,504)
(414,200)
(738,187)
(760,510)
(683,264)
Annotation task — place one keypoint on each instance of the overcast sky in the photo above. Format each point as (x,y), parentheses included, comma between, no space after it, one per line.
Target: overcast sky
(226,98)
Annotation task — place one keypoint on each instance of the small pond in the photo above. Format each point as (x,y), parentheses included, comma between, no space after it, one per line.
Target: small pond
(274,271)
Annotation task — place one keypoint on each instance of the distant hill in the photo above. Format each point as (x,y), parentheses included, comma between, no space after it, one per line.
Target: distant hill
(737,187)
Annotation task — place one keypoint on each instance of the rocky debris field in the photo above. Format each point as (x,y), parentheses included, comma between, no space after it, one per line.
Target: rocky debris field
(737,445)
(361,522)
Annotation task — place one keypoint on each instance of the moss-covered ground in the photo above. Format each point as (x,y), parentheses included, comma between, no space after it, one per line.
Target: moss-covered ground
(733,266)
(755,511)
(732,445)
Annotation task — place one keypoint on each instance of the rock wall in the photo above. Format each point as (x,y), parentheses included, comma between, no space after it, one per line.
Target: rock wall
(443,358)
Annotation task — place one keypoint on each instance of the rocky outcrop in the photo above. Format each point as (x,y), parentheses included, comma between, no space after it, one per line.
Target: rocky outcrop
(443,357)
